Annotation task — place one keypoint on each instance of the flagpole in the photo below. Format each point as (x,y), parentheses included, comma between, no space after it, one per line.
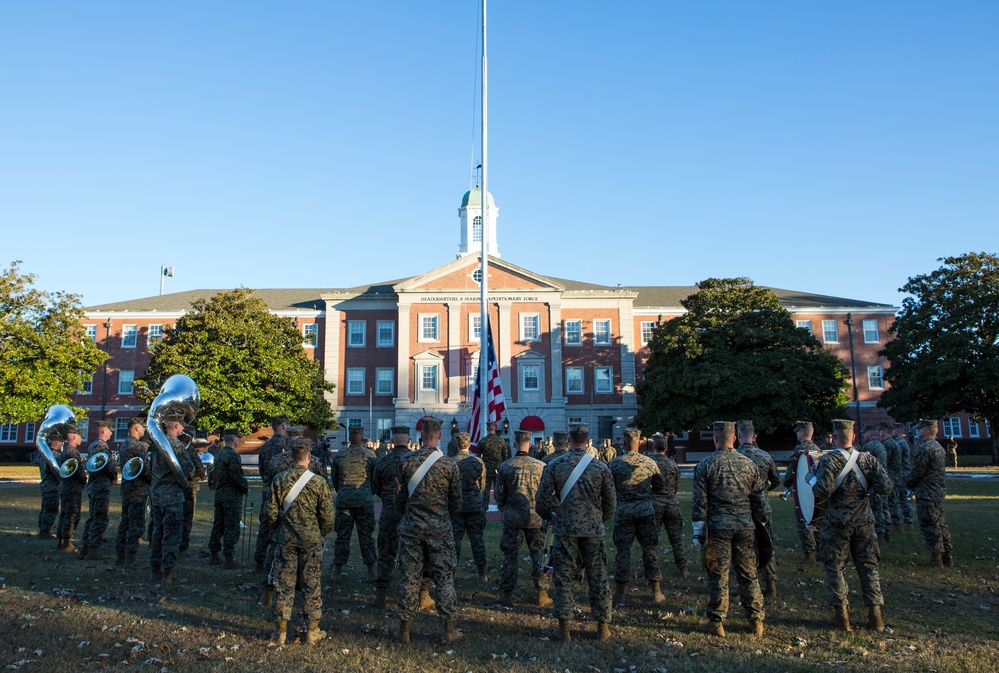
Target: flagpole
(484,284)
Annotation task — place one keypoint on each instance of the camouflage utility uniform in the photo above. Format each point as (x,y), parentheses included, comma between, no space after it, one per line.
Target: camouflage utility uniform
(928,481)
(879,503)
(385,484)
(492,450)
(271,448)
(299,540)
(667,506)
(134,494)
(99,495)
(191,496)
(71,494)
(168,506)
(805,532)
(351,477)
(471,519)
(50,496)
(893,453)
(904,503)
(767,468)
(230,486)
(637,482)
(517,481)
(280,463)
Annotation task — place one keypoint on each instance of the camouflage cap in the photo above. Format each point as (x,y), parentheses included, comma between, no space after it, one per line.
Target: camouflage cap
(803,425)
(278,420)
(136,420)
(580,427)
(356,431)
(522,436)
(431,425)
(842,424)
(71,429)
(105,424)
(490,425)
(464,440)
(926,423)
(400,430)
(296,431)
(231,432)
(871,429)
(56,435)
(723,427)
(560,438)
(632,433)
(744,427)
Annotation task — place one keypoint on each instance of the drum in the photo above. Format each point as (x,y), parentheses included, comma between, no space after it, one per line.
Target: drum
(807,509)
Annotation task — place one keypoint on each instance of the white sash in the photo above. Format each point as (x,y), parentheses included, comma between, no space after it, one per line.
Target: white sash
(851,464)
(422,472)
(296,490)
(574,476)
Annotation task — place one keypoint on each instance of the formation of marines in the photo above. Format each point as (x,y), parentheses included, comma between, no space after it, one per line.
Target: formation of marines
(555,497)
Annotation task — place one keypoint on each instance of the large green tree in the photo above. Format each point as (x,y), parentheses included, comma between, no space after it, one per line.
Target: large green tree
(945,354)
(249,365)
(44,355)
(736,353)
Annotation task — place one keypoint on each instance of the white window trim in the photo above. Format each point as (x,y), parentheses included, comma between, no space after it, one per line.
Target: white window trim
(641,331)
(135,336)
(8,433)
(378,333)
(131,390)
(575,420)
(973,429)
(364,333)
(437,328)
(471,328)
(610,381)
(830,341)
(610,332)
(881,375)
(391,381)
(152,339)
(347,380)
(877,331)
(523,376)
(91,332)
(29,431)
(537,317)
(310,335)
(582,381)
(805,325)
(120,429)
(437,377)
(952,422)
(566,331)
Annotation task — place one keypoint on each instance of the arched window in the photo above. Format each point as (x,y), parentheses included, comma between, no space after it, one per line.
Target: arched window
(477,229)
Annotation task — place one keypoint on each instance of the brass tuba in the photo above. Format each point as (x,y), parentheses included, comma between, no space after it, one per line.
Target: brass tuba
(55,418)
(132,468)
(178,400)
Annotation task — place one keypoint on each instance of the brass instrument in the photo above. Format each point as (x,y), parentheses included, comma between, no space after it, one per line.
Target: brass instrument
(132,468)
(55,418)
(97,462)
(69,468)
(178,400)
(208,460)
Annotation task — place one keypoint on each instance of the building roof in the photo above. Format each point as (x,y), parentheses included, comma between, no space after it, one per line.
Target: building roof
(474,198)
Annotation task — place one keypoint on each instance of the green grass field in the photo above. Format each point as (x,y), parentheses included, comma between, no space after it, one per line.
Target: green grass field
(59,613)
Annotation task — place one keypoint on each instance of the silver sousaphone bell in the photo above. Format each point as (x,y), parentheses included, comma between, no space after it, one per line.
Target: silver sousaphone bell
(208,460)
(69,468)
(132,468)
(97,462)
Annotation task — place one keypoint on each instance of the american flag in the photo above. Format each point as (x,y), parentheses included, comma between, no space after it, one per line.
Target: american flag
(494,392)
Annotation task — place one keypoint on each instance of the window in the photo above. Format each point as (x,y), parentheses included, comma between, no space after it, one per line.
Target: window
(384,381)
(355,333)
(530,377)
(573,332)
(91,331)
(477,276)
(429,327)
(475,327)
(647,326)
(310,335)
(125,379)
(88,387)
(988,428)
(8,432)
(804,324)
(428,377)
(602,332)
(353,423)
(830,331)
(386,333)
(355,381)
(603,380)
(384,428)
(128,336)
(154,335)
(952,426)
(972,429)
(529,323)
(29,432)
(575,420)
(574,380)
(84,427)
(120,429)
(473,376)
(477,229)
(875,378)
(871,332)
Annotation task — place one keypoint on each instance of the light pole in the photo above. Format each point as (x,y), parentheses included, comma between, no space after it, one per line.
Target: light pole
(853,367)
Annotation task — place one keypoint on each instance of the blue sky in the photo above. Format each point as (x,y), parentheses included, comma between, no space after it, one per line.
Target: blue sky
(835,148)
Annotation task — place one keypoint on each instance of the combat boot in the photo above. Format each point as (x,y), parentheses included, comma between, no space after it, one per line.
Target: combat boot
(314,635)
(372,576)
(936,560)
(544,600)
(129,560)
(280,634)
(337,574)
(258,567)
(156,574)
(657,595)
(618,599)
(897,528)
(451,633)
(810,558)
(426,602)
(603,631)
(713,628)
(381,598)
(119,559)
(947,559)
(770,588)
(230,563)
(874,618)
(402,636)
(841,617)
(506,599)
(683,572)
(267,600)
(46,535)
(483,577)
(216,560)
(84,552)
(757,627)
(564,633)
(168,576)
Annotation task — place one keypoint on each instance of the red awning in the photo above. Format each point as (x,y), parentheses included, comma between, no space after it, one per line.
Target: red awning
(532,423)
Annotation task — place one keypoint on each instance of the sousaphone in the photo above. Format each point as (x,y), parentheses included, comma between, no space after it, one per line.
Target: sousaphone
(55,419)
(179,400)
(97,461)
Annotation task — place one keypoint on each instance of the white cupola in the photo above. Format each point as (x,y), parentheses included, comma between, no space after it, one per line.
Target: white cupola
(472,228)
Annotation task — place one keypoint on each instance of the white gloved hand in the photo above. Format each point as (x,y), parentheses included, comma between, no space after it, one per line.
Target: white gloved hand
(698,539)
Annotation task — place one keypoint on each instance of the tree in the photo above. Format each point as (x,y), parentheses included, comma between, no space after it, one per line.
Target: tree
(44,355)
(945,354)
(249,365)
(736,353)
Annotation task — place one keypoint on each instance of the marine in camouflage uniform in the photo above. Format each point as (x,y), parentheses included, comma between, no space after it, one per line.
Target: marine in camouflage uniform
(299,533)
(893,451)
(99,494)
(873,446)
(231,486)
(928,481)
(579,532)
(191,492)
(803,431)
(560,446)
(385,484)
(351,477)
(168,505)
(950,446)
(728,494)
(771,479)
(134,493)
(543,448)
(277,443)
(471,519)
(452,445)
(49,487)
(637,483)
(425,534)
(848,526)
(607,451)
(517,481)
(492,450)
(904,504)
(667,504)
(70,491)
(280,463)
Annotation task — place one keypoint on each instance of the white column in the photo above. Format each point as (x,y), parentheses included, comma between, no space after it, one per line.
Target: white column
(402,363)
(555,320)
(453,362)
